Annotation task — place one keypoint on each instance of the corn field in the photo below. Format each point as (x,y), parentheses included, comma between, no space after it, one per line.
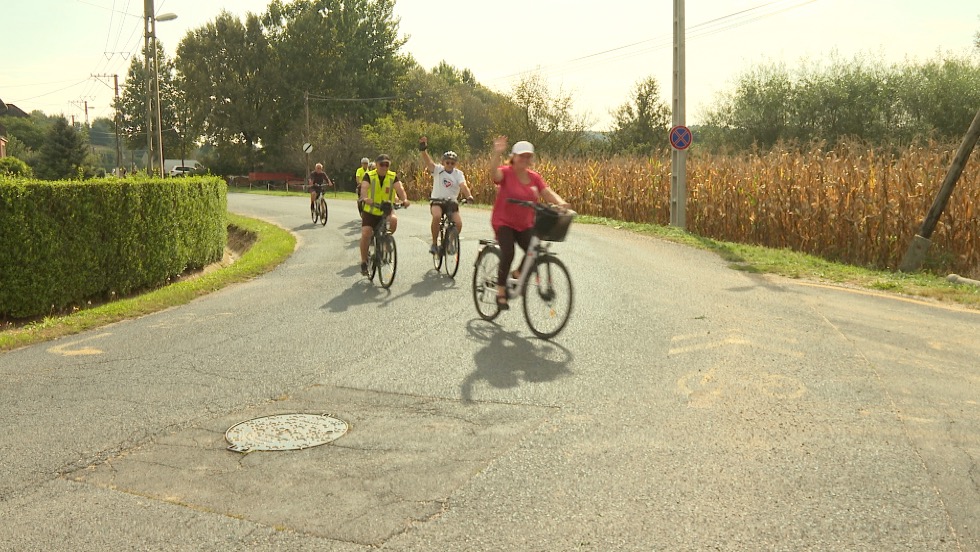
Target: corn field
(851,204)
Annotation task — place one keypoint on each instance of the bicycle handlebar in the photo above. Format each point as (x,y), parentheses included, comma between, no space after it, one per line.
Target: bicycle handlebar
(462,201)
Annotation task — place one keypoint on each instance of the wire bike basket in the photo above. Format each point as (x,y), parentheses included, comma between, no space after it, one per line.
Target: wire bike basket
(550,225)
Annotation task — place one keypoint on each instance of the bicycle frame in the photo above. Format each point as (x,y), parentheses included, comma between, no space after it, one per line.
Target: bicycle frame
(535,250)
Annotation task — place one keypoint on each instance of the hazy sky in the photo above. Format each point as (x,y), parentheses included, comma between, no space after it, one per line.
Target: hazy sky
(596,51)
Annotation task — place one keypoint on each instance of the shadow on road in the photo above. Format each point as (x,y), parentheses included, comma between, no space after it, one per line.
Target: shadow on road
(508,358)
(361,292)
(308,226)
(430,283)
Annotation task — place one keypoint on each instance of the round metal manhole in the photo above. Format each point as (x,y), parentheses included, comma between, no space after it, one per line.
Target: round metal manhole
(284,432)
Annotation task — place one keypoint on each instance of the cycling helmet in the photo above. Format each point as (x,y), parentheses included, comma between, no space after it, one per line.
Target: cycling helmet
(450,155)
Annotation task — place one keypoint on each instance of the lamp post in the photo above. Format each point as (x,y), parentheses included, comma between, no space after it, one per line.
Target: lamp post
(150,31)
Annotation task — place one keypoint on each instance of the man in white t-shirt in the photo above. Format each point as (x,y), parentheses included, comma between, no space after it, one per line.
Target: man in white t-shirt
(447,182)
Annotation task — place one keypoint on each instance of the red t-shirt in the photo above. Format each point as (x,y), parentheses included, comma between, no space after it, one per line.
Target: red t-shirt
(515,216)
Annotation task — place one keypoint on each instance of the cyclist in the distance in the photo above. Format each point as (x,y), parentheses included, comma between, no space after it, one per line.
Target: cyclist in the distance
(378,186)
(359,173)
(317,180)
(515,223)
(447,182)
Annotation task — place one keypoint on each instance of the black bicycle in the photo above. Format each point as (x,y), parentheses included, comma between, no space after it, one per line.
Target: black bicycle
(447,238)
(382,251)
(543,282)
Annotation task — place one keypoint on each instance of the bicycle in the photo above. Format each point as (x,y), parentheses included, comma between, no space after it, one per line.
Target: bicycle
(447,237)
(319,211)
(382,252)
(543,277)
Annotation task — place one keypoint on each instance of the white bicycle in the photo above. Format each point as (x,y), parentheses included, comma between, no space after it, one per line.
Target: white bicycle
(544,283)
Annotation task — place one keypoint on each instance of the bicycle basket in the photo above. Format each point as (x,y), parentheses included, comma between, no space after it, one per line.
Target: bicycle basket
(551,226)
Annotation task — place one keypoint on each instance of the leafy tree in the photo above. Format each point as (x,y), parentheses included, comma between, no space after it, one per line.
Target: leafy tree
(132,103)
(230,79)
(398,136)
(63,154)
(545,118)
(102,132)
(641,124)
(31,131)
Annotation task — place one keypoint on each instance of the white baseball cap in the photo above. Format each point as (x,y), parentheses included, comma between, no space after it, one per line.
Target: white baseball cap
(522,147)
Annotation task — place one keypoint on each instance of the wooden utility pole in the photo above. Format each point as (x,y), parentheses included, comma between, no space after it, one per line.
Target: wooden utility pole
(920,243)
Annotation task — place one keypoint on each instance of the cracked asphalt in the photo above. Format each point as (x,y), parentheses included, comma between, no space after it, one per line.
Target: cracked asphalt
(687,406)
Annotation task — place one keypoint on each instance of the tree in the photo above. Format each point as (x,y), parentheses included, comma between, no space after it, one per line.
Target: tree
(231,80)
(544,118)
(63,154)
(641,124)
(132,104)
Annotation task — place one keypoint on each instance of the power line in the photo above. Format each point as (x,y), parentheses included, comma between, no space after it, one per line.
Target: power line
(700,30)
(83,81)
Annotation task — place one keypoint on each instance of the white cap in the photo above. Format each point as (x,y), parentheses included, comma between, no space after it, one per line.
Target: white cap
(365,160)
(522,147)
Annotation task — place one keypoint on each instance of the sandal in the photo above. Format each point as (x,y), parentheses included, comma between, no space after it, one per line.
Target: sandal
(502,303)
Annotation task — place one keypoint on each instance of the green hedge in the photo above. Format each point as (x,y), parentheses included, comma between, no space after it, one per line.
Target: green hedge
(65,243)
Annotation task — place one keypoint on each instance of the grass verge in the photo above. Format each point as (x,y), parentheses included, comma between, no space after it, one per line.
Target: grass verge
(792,264)
(271,246)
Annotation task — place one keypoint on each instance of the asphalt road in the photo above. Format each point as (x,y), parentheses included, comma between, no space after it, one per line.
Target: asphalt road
(687,406)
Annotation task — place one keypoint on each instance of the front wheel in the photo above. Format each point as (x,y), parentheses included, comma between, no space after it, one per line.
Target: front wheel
(547,297)
(372,258)
(485,283)
(437,256)
(323,211)
(313,213)
(388,255)
(450,244)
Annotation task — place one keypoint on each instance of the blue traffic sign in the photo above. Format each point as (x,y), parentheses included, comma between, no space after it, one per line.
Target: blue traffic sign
(681,137)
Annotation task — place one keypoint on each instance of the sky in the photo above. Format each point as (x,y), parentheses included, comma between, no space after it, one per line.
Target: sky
(594,51)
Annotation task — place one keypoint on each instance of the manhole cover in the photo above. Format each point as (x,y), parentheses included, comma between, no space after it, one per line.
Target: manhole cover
(284,432)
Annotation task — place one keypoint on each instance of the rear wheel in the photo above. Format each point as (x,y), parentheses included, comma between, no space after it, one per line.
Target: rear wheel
(485,283)
(389,260)
(450,244)
(547,297)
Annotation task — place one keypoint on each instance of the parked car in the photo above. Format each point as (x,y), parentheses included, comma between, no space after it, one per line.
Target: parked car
(181,171)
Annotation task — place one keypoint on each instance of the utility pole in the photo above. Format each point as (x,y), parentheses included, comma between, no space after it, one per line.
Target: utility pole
(678,158)
(306,100)
(920,243)
(148,127)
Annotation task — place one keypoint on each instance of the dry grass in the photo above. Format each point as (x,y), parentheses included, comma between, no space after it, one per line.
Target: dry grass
(851,204)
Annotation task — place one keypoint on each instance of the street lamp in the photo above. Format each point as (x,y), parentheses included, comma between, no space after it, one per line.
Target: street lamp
(150,31)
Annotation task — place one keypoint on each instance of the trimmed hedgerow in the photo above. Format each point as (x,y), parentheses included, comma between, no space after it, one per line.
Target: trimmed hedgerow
(64,243)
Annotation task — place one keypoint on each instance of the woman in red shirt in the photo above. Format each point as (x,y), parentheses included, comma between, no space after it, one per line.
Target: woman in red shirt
(514,223)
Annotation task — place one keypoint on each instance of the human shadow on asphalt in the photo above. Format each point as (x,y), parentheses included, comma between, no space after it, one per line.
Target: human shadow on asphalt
(430,283)
(361,292)
(507,358)
(308,226)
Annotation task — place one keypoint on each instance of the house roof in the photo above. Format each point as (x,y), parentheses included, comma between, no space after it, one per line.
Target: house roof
(12,110)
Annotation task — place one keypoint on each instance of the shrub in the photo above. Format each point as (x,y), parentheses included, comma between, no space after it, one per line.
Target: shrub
(66,243)
(12,166)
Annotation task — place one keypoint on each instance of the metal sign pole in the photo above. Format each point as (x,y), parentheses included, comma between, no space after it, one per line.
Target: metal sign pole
(678,157)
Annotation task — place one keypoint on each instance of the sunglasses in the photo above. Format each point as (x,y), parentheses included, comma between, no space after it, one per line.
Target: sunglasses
(384,164)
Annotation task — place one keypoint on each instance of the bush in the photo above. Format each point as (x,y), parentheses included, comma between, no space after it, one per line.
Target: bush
(14,167)
(66,243)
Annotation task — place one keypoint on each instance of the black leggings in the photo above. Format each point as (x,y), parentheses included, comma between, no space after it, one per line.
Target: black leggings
(507,237)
